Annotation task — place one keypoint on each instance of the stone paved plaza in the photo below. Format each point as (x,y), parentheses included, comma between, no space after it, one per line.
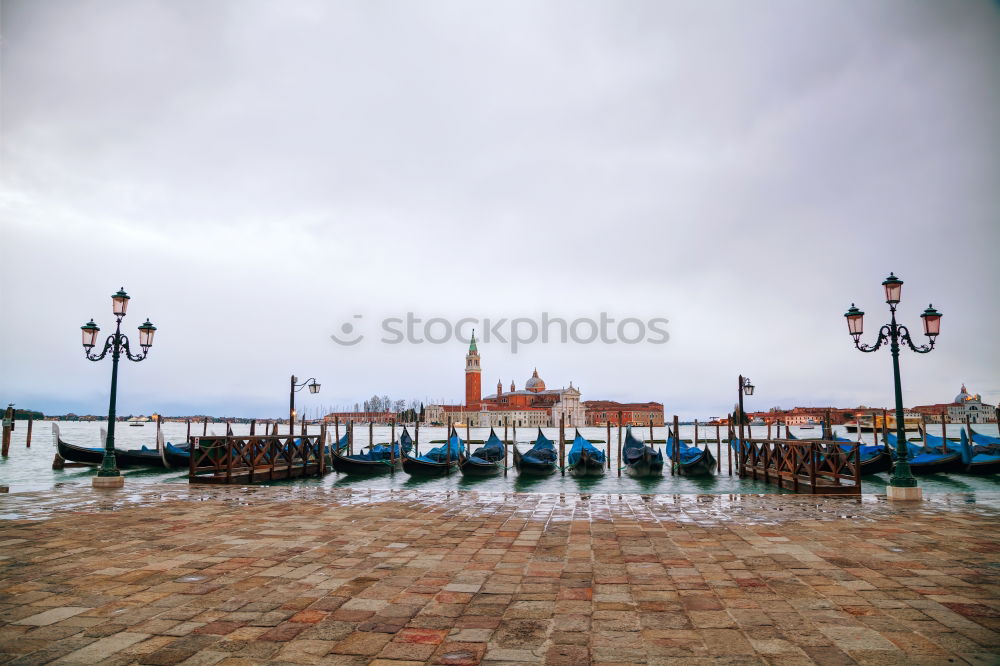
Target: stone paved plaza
(198,576)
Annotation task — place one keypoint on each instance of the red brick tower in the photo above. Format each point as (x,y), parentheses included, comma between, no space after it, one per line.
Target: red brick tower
(473,376)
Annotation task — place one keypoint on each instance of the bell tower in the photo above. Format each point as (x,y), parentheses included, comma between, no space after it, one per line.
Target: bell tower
(473,376)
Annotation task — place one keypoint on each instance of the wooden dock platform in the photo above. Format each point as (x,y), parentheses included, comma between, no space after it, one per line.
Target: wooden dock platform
(257,459)
(816,467)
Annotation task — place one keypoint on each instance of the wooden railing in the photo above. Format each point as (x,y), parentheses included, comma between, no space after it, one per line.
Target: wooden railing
(250,458)
(811,466)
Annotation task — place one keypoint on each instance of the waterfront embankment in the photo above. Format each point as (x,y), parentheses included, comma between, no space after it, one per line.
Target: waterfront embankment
(167,574)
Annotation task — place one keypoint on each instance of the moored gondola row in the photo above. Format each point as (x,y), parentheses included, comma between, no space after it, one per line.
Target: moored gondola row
(973,453)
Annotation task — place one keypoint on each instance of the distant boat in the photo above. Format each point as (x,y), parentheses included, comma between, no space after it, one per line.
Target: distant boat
(808,425)
(758,422)
(136,425)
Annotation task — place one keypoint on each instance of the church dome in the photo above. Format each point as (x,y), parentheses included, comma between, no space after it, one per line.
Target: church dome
(963,396)
(535,384)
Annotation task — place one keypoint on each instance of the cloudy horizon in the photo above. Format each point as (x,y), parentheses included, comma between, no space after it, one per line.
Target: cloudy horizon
(257,174)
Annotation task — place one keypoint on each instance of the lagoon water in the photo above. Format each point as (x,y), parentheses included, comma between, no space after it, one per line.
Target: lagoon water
(31,469)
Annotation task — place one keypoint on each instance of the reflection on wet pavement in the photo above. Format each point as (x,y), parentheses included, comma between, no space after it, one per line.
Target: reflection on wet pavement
(684,509)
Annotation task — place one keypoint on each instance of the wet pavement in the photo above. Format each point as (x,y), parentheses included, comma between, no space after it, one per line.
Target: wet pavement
(169,574)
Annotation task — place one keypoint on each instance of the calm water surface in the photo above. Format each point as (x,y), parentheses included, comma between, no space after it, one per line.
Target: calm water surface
(31,469)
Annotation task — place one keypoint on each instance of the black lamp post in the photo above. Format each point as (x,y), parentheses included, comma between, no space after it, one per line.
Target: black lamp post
(294,388)
(745,387)
(894,334)
(108,475)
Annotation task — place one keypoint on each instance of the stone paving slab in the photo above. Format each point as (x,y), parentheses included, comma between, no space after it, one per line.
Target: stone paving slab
(293,575)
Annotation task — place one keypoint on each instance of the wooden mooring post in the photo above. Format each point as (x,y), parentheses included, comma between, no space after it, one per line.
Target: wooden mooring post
(506,445)
(718,448)
(447,446)
(562,444)
(677,444)
(619,443)
(27,435)
(608,440)
(8,428)
(392,448)
(729,444)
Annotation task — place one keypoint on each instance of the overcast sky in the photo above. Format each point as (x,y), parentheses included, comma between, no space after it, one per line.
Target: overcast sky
(258,173)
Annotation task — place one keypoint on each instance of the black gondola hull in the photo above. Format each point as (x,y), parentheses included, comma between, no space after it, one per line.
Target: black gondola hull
(345,465)
(704,465)
(990,467)
(649,465)
(474,469)
(880,463)
(586,466)
(951,463)
(415,467)
(139,458)
(530,467)
(79,454)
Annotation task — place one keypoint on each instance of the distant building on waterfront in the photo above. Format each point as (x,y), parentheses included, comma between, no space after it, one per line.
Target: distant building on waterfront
(964,406)
(603,412)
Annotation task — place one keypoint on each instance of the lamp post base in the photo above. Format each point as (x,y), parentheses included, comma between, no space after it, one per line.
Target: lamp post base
(109,481)
(904,493)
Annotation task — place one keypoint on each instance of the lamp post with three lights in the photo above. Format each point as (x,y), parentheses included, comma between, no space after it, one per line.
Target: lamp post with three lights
(902,485)
(117,343)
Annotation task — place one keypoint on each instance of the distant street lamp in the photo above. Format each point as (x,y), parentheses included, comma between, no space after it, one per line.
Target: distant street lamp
(313,388)
(108,475)
(902,485)
(744,388)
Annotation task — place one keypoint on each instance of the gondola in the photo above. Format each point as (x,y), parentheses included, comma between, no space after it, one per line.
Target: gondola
(539,460)
(923,461)
(875,458)
(487,460)
(691,461)
(144,457)
(641,461)
(585,459)
(438,461)
(981,455)
(379,459)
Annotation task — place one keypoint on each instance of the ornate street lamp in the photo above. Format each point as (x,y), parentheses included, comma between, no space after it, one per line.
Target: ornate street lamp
(313,388)
(108,475)
(745,387)
(902,485)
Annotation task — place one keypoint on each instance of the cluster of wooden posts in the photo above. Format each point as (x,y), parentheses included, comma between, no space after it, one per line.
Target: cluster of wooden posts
(8,430)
